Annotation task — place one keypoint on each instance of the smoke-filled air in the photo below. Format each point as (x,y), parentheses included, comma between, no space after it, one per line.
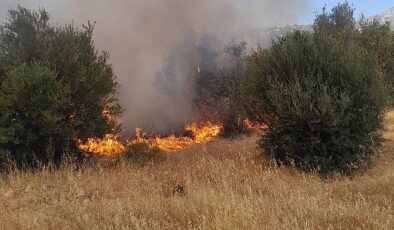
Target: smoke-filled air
(143,36)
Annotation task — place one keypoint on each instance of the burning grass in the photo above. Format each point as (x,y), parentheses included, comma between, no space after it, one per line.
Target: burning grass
(111,145)
(227,186)
(200,133)
(255,125)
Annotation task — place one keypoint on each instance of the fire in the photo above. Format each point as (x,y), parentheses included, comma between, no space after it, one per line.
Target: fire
(107,114)
(204,132)
(254,125)
(109,145)
(169,144)
(200,133)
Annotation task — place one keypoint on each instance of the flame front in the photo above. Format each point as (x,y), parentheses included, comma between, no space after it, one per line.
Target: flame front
(255,125)
(201,133)
(109,145)
(205,132)
(168,144)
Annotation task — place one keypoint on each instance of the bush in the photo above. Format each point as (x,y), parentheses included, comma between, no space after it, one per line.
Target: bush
(32,127)
(68,60)
(27,37)
(379,39)
(371,35)
(142,153)
(327,101)
(339,24)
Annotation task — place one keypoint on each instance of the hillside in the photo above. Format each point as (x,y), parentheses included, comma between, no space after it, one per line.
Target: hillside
(227,186)
(265,36)
(386,16)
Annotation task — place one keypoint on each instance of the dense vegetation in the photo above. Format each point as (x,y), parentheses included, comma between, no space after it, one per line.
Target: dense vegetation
(54,88)
(367,34)
(326,91)
(328,102)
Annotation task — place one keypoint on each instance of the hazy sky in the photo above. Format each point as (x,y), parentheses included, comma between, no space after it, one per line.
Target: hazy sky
(366,7)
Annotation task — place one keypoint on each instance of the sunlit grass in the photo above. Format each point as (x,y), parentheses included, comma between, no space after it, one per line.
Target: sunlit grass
(228,185)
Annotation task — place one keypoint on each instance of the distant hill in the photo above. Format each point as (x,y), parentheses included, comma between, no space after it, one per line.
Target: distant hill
(264,36)
(386,16)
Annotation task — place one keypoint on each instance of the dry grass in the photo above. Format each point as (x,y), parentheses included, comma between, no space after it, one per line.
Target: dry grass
(228,186)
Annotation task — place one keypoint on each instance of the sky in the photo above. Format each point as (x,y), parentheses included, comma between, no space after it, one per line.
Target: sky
(310,7)
(366,7)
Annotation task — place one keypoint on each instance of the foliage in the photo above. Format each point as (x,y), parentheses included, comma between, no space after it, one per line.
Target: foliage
(32,122)
(327,100)
(371,35)
(379,39)
(27,38)
(340,23)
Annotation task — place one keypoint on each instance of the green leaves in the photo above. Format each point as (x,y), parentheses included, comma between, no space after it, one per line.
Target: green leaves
(327,98)
(55,86)
(32,102)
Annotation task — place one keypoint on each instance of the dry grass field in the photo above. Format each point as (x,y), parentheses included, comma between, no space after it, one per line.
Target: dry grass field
(227,186)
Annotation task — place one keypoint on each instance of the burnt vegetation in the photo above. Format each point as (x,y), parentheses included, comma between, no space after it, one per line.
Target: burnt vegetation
(322,93)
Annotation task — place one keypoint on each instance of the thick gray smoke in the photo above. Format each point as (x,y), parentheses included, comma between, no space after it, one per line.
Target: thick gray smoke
(139,34)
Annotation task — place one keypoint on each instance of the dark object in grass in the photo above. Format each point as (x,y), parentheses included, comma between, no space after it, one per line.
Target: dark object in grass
(179,191)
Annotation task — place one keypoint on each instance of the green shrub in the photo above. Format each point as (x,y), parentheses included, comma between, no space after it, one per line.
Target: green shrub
(327,101)
(339,23)
(68,62)
(32,127)
(28,37)
(143,153)
(379,39)
(372,35)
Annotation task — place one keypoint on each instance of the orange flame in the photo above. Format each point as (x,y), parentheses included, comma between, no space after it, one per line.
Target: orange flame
(169,144)
(204,132)
(107,114)
(254,125)
(109,145)
(201,133)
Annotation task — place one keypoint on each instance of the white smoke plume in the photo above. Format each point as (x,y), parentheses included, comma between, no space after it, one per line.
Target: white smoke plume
(139,33)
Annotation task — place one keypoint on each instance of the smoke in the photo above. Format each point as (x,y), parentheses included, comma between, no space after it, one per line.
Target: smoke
(139,35)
